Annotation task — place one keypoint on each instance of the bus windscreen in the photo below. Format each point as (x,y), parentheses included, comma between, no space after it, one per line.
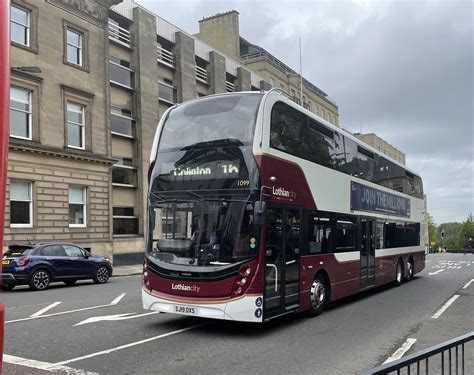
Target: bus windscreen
(207,121)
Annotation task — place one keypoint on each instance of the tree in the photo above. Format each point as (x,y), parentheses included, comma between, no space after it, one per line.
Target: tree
(433,234)
(466,234)
(451,234)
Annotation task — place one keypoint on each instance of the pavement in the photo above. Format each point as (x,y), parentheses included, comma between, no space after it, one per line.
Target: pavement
(135,269)
(102,329)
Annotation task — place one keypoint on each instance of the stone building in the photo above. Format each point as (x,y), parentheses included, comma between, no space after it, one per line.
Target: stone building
(222,32)
(59,156)
(381,145)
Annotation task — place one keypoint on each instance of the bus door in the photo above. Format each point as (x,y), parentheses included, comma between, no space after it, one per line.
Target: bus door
(282,261)
(367,252)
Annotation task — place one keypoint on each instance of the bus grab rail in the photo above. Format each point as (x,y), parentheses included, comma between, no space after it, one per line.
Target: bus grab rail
(424,356)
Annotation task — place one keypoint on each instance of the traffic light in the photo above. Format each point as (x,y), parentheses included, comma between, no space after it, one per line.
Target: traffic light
(442,235)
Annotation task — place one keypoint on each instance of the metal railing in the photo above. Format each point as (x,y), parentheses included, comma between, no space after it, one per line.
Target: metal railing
(282,66)
(451,360)
(201,74)
(119,34)
(164,56)
(229,86)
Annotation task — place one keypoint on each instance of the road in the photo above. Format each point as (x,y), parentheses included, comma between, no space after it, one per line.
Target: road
(103,329)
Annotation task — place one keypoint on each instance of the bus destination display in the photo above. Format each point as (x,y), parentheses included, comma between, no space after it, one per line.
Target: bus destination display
(217,169)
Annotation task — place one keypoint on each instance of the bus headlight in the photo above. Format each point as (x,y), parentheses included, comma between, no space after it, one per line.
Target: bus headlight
(242,281)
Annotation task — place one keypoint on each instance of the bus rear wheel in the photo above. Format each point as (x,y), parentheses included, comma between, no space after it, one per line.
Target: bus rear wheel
(410,270)
(399,274)
(318,296)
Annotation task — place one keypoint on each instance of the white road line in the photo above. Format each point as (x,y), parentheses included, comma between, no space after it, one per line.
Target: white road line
(42,311)
(116,317)
(445,306)
(22,306)
(113,303)
(401,351)
(117,300)
(108,351)
(468,283)
(434,273)
(40,365)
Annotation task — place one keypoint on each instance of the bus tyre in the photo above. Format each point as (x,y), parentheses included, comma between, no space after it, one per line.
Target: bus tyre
(318,296)
(399,274)
(410,270)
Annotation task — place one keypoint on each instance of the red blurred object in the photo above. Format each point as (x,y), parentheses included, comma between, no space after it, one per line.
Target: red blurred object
(22,262)
(4,130)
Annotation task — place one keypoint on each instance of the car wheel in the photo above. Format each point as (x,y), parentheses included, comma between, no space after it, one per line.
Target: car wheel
(318,296)
(70,282)
(101,275)
(399,274)
(7,286)
(39,280)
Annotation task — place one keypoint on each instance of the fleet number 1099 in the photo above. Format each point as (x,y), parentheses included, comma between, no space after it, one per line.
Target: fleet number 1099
(184,310)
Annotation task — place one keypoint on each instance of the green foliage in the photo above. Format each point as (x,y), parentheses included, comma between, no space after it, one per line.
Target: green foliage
(466,233)
(433,234)
(451,234)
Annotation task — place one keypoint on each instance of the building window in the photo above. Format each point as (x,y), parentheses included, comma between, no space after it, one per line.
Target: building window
(20,25)
(21,204)
(122,122)
(125,223)
(123,173)
(120,72)
(74,47)
(75,125)
(20,113)
(166,91)
(77,206)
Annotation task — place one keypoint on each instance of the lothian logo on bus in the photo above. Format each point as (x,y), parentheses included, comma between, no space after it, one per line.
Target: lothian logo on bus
(282,192)
(187,288)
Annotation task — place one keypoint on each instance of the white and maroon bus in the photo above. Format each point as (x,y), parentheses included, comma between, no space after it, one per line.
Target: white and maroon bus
(258,208)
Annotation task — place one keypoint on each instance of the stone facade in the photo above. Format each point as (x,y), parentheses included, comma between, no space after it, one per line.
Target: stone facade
(44,159)
(383,146)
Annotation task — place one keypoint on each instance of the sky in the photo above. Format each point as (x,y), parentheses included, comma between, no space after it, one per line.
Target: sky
(401,69)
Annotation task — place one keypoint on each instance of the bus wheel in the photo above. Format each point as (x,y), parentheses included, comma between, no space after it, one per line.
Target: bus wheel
(318,296)
(399,275)
(410,270)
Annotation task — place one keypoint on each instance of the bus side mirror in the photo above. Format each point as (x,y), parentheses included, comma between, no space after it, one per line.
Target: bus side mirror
(259,211)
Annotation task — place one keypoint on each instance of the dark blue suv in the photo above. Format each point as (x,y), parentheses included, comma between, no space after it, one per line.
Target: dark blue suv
(37,265)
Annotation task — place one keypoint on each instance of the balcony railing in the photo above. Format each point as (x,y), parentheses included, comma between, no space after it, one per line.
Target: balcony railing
(229,86)
(164,56)
(119,34)
(201,74)
(285,68)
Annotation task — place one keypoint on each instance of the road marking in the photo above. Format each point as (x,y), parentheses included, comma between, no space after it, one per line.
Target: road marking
(117,300)
(108,351)
(468,283)
(40,365)
(401,351)
(22,306)
(445,306)
(116,317)
(113,303)
(434,273)
(42,311)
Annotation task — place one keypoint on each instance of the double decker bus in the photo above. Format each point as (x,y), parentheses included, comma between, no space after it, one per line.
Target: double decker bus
(258,208)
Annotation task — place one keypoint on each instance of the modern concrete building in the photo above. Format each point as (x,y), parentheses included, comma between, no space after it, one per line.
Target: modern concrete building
(383,146)
(222,32)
